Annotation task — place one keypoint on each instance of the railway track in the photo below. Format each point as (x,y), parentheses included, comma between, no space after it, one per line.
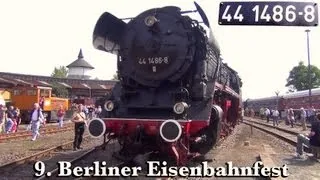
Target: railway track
(295,124)
(26,133)
(83,160)
(286,135)
(24,168)
(22,127)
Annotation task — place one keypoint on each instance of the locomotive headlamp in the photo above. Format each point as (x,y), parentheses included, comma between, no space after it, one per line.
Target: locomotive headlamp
(150,20)
(109,105)
(96,127)
(180,107)
(170,130)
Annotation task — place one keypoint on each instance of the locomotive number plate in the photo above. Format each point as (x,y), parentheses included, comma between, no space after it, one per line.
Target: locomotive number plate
(269,13)
(153,60)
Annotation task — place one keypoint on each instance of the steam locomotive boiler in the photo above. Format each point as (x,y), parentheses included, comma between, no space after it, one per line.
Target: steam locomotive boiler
(174,94)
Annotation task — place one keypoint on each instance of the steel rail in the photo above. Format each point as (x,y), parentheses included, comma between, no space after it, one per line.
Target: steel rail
(37,155)
(27,134)
(270,130)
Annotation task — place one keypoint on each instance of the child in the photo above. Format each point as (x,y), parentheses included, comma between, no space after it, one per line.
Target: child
(14,125)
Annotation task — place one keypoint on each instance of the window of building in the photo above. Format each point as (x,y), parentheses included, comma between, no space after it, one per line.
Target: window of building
(45,93)
(17,92)
(31,92)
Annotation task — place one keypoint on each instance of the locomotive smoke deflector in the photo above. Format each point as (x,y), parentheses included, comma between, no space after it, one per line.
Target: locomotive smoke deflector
(205,20)
(108,33)
(202,14)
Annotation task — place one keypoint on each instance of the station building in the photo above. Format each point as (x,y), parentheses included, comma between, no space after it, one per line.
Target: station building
(78,83)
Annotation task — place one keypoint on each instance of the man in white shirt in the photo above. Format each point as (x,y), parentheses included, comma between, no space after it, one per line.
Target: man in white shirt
(36,118)
(275,115)
(267,113)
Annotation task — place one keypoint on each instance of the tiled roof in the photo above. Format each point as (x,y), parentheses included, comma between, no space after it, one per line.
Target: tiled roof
(33,80)
(80,62)
(6,81)
(65,85)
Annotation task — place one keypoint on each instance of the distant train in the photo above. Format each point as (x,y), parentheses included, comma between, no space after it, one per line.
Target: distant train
(294,100)
(25,97)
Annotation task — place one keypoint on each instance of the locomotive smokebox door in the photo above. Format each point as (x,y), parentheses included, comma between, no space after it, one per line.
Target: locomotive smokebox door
(159,46)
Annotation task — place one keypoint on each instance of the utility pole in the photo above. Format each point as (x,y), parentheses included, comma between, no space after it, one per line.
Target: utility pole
(277,108)
(309,67)
(277,93)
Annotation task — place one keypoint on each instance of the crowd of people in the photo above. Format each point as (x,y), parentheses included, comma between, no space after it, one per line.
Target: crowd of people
(80,115)
(9,119)
(291,117)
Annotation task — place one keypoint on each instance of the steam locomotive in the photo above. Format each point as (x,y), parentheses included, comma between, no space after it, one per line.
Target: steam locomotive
(174,95)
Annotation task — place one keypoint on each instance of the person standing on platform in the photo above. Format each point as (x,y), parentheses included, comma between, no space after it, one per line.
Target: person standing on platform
(36,118)
(275,116)
(311,139)
(60,115)
(312,115)
(41,102)
(2,118)
(79,119)
(10,119)
(267,114)
(291,116)
(252,113)
(98,112)
(261,112)
(303,118)
(17,117)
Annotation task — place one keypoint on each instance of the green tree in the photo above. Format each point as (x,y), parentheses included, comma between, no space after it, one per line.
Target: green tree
(60,72)
(299,80)
(58,89)
(115,77)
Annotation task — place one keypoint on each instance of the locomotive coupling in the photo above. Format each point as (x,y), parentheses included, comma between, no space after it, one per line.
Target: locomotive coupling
(170,130)
(96,127)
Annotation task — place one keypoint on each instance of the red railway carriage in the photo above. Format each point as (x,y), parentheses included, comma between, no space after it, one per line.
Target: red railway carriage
(294,100)
(300,99)
(268,102)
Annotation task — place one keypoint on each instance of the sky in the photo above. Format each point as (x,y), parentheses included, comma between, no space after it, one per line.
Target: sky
(38,35)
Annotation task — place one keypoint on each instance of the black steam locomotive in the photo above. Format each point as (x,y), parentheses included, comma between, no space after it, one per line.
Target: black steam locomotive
(174,94)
